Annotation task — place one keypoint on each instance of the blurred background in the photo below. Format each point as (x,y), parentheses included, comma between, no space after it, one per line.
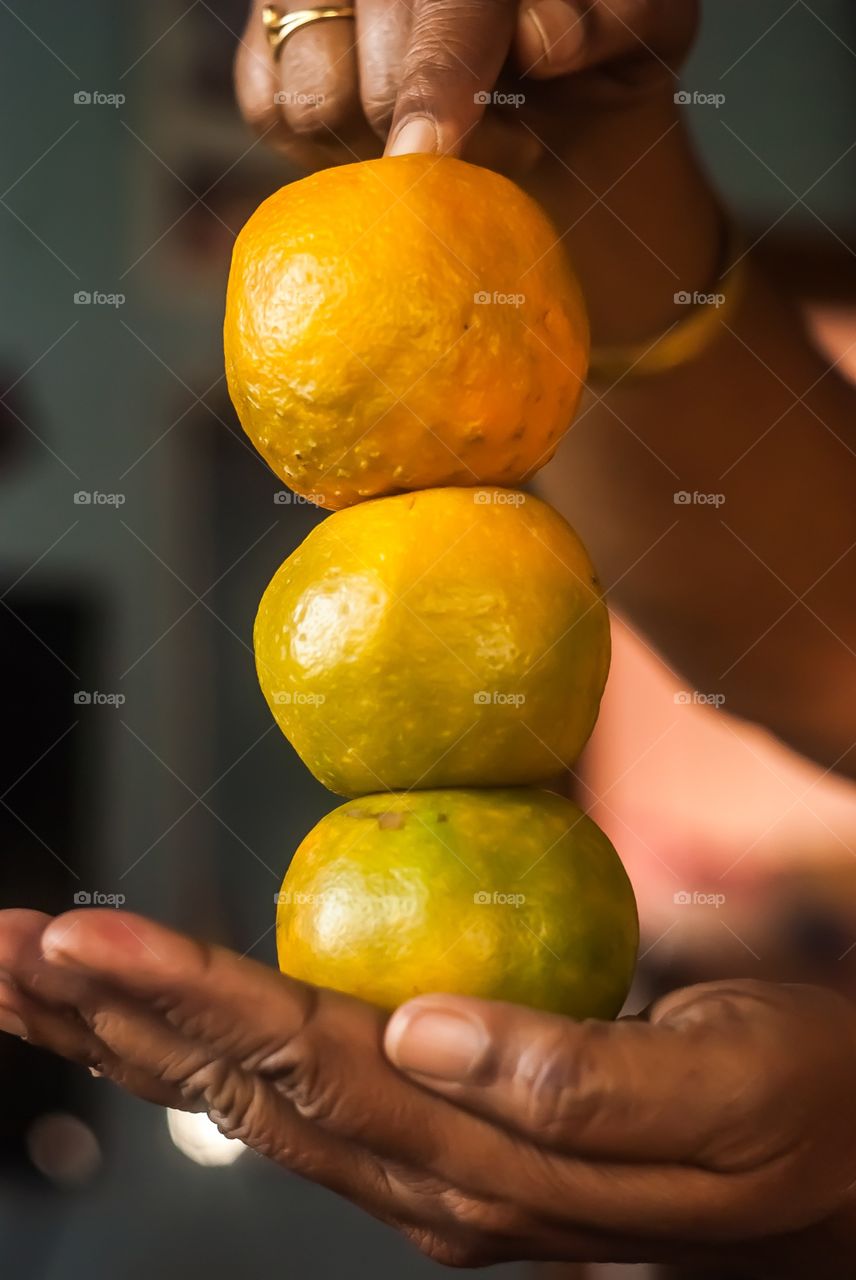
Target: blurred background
(139,765)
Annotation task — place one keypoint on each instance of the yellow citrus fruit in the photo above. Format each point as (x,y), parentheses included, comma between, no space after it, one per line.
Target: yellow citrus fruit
(509,895)
(451,637)
(400,324)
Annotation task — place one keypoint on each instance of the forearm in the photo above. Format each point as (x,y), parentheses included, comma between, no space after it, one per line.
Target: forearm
(751,594)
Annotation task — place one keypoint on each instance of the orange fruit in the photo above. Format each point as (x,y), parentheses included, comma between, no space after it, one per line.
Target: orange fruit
(402,324)
(451,637)
(507,895)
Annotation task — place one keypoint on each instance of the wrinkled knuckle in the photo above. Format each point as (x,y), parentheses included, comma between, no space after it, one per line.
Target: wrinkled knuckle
(306,1081)
(426,82)
(260,113)
(486,1220)
(445,22)
(318,112)
(565,1087)
(94,1060)
(378,108)
(106,1024)
(234,1102)
(447,1250)
(307,121)
(470,1212)
(206,1082)
(731,1004)
(435,65)
(241,1112)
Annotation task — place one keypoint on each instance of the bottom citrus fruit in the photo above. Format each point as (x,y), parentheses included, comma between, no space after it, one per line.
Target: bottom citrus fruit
(505,894)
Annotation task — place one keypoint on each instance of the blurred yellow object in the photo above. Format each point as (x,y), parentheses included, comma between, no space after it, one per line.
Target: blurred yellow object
(705,316)
(507,895)
(401,324)
(452,637)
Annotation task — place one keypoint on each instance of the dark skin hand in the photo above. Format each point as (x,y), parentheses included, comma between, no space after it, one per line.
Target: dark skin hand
(564,98)
(707,1130)
(717,1129)
(346,90)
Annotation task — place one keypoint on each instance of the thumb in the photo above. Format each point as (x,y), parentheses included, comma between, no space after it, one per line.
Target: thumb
(603,1090)
(455,53)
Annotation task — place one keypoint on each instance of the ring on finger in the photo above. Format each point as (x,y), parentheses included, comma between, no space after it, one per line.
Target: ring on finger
(279,26)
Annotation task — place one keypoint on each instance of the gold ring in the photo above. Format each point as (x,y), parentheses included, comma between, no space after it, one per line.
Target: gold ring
(279,26)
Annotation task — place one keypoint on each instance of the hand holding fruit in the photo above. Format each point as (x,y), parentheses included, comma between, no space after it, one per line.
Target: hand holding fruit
(718,1131)
(589,126)
(402,324)
(478,78)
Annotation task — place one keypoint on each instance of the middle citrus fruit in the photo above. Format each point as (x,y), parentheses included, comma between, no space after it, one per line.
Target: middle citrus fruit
(451,637)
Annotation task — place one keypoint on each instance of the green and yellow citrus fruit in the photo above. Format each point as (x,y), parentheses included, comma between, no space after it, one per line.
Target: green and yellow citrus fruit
(401,324)
(451,637)
(509,895)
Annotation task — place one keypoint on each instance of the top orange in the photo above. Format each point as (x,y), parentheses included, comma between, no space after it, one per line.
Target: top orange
(402,324)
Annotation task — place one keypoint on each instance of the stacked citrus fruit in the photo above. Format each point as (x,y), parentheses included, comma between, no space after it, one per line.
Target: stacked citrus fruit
(406,343)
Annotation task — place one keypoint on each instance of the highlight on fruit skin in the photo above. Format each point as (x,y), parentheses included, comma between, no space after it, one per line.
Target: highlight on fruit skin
(402,324)
(451,637)
(508,895)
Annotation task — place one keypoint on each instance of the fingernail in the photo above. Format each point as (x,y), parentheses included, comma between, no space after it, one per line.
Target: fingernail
(12,1024)
(416,135)
(554,34)
(436,1042)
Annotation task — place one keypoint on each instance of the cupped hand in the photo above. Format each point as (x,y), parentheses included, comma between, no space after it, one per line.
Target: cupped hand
(720,1127)
(496,80)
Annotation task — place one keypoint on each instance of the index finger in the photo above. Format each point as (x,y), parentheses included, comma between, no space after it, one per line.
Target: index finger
(455,53)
